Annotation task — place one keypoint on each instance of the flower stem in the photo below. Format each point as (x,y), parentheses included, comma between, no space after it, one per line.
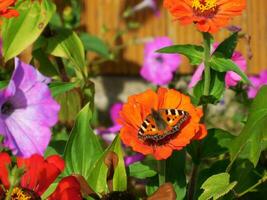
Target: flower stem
(207,55)
(262,180)
(161,171)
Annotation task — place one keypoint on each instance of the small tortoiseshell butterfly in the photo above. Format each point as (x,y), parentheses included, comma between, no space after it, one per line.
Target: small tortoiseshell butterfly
(162,125)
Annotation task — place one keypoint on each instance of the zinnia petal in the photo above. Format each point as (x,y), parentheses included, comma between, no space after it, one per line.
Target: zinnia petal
(168,99)
(208,15)
(5,160)
(67,189)
(40,172)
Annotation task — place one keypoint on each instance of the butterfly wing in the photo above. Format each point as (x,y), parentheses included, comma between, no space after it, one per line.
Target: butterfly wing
(174,118)
(148,129)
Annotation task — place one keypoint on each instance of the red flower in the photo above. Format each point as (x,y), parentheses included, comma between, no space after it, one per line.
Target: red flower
(67,190)
(6,9)
(39,174)
(208,15)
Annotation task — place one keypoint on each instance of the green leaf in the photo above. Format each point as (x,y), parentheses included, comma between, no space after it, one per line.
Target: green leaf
(46,66)
(141,171)
(227,47)
(20,32)
(244,173)
(93,43)
(216,143)
(55,147)
(223,65)
(98,175)
(175,173)
(3,84)
(193,52)
(83,148)
(249,143)
(67,44)
(58,88)
(120,177)
(217,88)
(70,105)
(152,185)
(216,186)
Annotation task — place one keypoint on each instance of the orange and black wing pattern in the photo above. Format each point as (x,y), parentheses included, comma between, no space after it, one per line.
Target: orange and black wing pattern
(174,119)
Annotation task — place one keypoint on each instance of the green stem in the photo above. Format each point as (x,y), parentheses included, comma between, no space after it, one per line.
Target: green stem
(207,56)
(161,171)
(8,196)
(262,180)
(192,183)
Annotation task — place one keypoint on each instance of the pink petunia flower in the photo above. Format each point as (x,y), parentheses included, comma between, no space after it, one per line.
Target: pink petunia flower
(231,78)
(257,82)
(27,111)
(159,68)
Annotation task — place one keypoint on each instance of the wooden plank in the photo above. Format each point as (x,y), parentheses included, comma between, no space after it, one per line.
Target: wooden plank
(99,13)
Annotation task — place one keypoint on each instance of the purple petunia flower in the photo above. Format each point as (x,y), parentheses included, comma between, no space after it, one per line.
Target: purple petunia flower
(231,78)
(257,82)
(28,111)
(158,68)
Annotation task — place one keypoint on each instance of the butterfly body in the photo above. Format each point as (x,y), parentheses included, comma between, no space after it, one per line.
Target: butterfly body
(161,125)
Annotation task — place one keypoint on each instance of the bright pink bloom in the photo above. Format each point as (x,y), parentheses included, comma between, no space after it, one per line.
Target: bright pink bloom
(159,68)
(257,82)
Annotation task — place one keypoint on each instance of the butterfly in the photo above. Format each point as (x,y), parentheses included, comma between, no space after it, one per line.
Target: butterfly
(162,125)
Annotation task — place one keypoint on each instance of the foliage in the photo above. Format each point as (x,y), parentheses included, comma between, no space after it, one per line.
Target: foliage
(225,164)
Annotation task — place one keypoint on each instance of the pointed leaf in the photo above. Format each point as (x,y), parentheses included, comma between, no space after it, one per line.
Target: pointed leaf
(67,44)
(58,88)
(227,47)
(223,65)
(98,175)
(248,143)
(20,32)
(193,52)
(141,171)
(93,43)
(83,148)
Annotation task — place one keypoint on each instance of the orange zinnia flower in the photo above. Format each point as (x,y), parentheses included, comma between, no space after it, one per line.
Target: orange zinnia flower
(208,15)
(158,123)
(6,8)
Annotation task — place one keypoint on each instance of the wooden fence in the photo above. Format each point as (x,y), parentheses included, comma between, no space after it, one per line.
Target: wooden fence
(107,13)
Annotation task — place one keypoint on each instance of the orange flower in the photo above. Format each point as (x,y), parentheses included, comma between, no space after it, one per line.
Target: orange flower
(6,8)
(150,133)
(208,15)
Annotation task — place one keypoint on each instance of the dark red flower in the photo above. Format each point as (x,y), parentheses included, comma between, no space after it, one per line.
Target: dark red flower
(39,174)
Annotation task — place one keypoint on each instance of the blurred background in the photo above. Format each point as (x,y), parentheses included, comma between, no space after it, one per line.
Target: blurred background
(108,14)
(123,27)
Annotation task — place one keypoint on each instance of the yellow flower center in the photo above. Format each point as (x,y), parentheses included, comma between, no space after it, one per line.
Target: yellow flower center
(204,5)
(19,194)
